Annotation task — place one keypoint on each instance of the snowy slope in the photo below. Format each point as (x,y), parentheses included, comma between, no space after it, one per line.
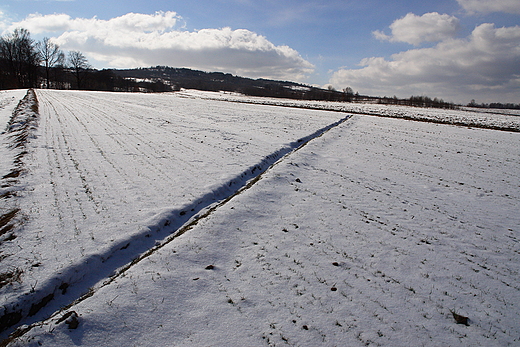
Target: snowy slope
(371,234)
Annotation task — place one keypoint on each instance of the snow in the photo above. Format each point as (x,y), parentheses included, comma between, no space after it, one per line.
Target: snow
(9,99)
(111,173)
(483,118)
(368,231)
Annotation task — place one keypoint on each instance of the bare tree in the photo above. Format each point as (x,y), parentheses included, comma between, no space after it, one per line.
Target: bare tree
(17,51)
(79,65)
(50,55)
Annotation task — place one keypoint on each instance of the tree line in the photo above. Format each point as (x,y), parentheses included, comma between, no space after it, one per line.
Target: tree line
(26,63)
(498,105)
(417,101)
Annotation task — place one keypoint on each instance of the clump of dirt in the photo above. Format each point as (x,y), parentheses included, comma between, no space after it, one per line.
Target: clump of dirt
(460,319)
(71,319)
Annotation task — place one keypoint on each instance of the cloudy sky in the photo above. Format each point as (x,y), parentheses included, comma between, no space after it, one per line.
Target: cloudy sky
(457,50)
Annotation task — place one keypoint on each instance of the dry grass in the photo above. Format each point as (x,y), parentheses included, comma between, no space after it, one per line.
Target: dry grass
(8,217)
(10,277)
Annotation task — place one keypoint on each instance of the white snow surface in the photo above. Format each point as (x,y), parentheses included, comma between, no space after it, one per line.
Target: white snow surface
(484,118)
(9,99)
(113,173)
(372,233)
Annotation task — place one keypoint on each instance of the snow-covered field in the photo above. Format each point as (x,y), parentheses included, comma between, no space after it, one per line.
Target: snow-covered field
(259,225)
(481,118)
(113,173)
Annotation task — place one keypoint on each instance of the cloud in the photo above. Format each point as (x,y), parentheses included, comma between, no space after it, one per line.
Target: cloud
(488,6)
(3,21)
(131,22)
(413,29)
(483,65)
(147,40)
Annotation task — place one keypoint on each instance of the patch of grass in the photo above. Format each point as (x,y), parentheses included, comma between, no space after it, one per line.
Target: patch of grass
(7,218)
(7,195)
(13,174)
(5,230)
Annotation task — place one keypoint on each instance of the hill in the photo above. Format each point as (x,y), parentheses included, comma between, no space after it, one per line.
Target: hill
(163,78)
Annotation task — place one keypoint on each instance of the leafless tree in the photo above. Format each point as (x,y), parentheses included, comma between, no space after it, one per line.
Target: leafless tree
(79,65)
(18,53)
(50,55)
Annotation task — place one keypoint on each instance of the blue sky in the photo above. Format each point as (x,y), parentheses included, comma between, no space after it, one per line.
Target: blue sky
(457,50)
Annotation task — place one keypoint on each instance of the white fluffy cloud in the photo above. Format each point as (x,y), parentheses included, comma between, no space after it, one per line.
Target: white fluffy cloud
(482,66)
(488,6)
(413,29)
(146,40)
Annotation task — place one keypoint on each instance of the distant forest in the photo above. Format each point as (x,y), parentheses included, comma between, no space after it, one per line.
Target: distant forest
(25,63)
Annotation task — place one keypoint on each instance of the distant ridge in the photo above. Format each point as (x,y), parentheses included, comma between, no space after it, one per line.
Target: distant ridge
(164,78)
(168,78)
